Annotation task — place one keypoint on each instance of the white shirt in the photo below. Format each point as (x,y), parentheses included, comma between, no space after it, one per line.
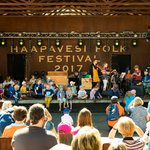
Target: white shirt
(66,118)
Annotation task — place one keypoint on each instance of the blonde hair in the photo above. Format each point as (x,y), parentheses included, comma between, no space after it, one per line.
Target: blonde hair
(117,146)
(88,138)
(126,126)
(84,118)
(6,105)
(138,101)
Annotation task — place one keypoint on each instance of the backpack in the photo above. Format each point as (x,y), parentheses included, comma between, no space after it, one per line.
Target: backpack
(113,112)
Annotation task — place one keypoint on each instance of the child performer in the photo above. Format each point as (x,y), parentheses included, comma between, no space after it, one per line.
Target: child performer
(17,94)
(61,96)
(82,94)
(69,97)
(48,96)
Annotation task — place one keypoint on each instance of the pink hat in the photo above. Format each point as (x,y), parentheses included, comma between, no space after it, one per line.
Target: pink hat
(133,92)
(64,128)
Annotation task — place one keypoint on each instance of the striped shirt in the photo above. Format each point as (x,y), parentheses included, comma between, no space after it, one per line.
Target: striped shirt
(132,144)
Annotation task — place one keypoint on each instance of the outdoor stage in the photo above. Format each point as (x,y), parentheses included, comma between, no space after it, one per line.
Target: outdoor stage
(98,106)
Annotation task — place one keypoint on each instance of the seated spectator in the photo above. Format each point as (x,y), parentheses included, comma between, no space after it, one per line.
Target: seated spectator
(82,94)
(88,138)
(1,91)
(126,127)
(94,93)
(138,113)
(117,146)
(6,117)
(129,97)
(66,118)
(84,119)
(114,111)
(32,83)
(38,89)
(19,115)
(64,137)
(23,90)
(34,137)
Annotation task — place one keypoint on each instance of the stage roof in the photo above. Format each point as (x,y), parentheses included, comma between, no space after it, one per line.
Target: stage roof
(74,7)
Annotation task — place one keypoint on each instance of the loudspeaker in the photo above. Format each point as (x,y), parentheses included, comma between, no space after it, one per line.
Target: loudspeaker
(139,90)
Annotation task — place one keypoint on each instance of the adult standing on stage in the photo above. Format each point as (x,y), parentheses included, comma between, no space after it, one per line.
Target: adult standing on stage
(95,73)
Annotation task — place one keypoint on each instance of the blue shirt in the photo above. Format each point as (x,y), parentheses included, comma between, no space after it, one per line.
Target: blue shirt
(128,100)
(49,92)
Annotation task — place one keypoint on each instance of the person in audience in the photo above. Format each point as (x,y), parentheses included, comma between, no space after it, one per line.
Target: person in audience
(19,115)
(6,115)
(114,111)
(69,96)
(23,90)
(136,76)
(48,96)
(1,104)
(88,138)
(34,137)
(64,137)
(53,86)
(82,94)
(39,89)
(61,96)
(138,113)
(66,118)
(95,72)
(117,146)
(126,127)
(129,97)
(146,81)
(84,119)
(17,94)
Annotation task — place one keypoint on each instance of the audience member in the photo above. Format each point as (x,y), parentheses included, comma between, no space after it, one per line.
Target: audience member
(11,90)
(66,118)
(138,113)
(1,104)
(117,146)
(64,137)
(23,90)
(94,93)
(88,138)
(1,91)
(84,119)
(19,115)
(129,97)
(114,111)
(34,136)
(126,127)
(82,94)
(73,88)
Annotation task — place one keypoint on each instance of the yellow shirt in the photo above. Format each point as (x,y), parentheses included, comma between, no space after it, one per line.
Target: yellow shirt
(95,75)
(23,89)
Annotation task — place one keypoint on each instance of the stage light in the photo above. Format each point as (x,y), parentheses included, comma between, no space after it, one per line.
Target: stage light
(116,43)
(98,43)
(3,42)
(58,43)
(39,42)
(21,42)
(134,43)
(80,42)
